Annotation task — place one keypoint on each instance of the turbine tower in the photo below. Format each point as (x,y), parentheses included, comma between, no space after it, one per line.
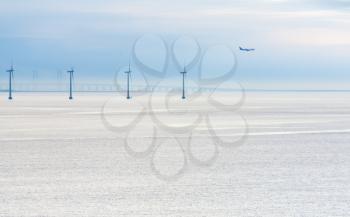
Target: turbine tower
(59,75)
(35,76)
(183,82)
(71,78)
(128,73)
(10,71)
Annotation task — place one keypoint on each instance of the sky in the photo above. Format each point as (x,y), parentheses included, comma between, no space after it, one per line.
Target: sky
(298,42)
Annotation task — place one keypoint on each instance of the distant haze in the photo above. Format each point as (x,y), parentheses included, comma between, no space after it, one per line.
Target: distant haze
(297,42)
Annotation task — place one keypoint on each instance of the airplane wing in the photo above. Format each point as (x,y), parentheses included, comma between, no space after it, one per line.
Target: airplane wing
(245,49)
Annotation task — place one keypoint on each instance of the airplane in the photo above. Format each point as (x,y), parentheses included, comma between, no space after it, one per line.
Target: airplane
(245,49)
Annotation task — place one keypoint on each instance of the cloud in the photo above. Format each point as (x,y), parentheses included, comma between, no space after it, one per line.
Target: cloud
(340,4)
(109,27)
(311,36)
(66,19)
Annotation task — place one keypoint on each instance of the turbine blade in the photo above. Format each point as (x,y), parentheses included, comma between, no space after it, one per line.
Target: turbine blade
(72,76)
(130,82)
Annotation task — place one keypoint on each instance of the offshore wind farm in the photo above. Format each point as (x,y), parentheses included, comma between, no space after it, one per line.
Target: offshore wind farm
(229,149)
(232,150)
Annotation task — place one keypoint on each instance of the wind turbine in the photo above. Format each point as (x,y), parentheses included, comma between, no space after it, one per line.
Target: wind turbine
(71,78)
(59,75)
(10,71)
(183,82)
(35,75)
(35,78)
(128,83)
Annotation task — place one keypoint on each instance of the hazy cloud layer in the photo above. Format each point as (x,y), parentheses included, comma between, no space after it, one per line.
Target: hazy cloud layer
(295,39)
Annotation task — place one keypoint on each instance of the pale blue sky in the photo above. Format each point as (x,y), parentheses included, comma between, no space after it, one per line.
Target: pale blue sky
(296,40)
